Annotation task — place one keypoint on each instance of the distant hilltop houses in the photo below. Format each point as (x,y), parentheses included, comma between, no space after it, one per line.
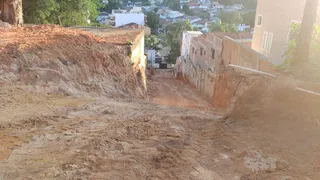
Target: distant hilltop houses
(135,12)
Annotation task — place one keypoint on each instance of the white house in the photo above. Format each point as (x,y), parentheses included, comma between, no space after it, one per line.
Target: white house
(243,27)
(174,14)
(186,42)
(123,17)
(103,18)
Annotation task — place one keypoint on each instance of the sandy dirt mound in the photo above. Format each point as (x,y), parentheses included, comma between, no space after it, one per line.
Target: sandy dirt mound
(70,62)
(107,138)
(282,120)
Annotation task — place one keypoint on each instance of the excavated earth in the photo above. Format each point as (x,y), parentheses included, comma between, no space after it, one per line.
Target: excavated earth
(71,107)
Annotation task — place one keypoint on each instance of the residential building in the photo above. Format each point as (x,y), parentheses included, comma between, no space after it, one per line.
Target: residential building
(202,25)
(193,19)
(217,5)
(272,27)
(103,18)
(163,23)
(206,3)
(123,17)
(170,15)
(159,2)
(243,27)
(206,49)
(183,2)
(147,30)
(186,42)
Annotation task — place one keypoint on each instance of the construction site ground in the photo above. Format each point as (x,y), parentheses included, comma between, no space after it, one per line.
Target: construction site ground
(72,107)
(176,134)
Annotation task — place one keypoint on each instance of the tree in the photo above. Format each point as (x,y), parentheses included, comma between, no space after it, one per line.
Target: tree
(203,15)
(305,34)
(249,18)
(233,17)
(113,4)
(152,19)
(173,4)
(152,42)
(11,12)
(71,12)
(186,10)
(250,4)
(41,12)
(222,27)
(174,37)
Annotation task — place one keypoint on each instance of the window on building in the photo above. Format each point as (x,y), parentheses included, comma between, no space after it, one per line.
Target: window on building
(259,20)
(193,50)
(267,41)
(201,51)
(213,52)
(204,53)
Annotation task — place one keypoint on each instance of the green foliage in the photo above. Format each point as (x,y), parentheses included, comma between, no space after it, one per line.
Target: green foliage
(41,11)
(250,4)
(174,36)
(233,17)
(71,12)
(203,15)
(173,4)
(249,18)
(152,19)
(152,42)
(186,10)
(113,4)
(222,27)
(294,33)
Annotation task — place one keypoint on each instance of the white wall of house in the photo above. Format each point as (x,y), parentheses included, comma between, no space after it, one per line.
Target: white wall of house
(272,27)
(186,42)
(243,27)
(126,18)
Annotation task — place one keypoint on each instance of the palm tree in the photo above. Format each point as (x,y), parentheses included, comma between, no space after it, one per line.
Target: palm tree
(305,35)
(11,12)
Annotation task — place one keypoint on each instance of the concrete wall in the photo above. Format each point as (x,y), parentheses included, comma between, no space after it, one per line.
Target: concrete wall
(202,50)
(276,18)
(186,42)
(197,75)
(208,74)
(206,49)
(126,18)
(237,53)
(138,58)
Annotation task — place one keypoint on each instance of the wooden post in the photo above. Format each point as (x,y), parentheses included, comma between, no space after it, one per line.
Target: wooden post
(60,21)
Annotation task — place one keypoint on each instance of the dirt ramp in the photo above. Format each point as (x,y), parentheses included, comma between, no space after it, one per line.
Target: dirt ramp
(57,60)
(275,99)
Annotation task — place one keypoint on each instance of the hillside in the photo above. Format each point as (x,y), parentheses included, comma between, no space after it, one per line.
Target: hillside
(66,61)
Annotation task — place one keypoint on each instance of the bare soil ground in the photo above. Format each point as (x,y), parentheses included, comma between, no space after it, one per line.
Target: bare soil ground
(272,133)
(175,135)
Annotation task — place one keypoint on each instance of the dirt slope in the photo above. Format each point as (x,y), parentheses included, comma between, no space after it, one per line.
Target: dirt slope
(64,61)
(67,112)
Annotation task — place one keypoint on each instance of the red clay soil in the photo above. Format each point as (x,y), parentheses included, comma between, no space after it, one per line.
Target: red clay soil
(119,36)
(53,58)
(18,40)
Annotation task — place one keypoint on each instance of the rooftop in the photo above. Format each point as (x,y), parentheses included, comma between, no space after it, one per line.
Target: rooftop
(240,35)
(194,32)
(119,36)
